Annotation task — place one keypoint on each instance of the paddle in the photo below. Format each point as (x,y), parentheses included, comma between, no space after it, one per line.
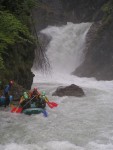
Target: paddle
(45,113)
(49,104)
(20,109)
(29,101)
(52,104)
(17,109)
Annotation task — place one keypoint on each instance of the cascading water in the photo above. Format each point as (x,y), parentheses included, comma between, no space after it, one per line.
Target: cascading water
(65,50)
(84,123)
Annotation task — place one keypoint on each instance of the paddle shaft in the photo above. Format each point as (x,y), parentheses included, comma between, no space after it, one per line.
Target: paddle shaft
(29,101)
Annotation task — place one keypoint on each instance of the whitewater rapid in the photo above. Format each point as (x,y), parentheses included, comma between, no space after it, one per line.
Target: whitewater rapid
(76,124)
(84,123)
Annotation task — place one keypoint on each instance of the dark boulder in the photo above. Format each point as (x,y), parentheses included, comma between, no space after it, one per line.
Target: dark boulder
(72,90)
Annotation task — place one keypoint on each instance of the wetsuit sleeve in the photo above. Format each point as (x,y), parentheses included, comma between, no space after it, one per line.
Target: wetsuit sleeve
(7,89)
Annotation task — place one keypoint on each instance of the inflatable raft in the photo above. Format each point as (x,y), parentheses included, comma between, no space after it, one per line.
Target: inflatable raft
(30,111)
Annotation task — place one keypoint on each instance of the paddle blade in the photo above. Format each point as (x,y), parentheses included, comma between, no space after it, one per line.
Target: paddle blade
(54,104)
(19,110)
(13,109)
(16,110)
(50,105)
(45,113)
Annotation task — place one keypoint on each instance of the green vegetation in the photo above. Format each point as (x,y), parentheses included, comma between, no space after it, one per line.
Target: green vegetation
(16,40)
(107,9)
(12,31)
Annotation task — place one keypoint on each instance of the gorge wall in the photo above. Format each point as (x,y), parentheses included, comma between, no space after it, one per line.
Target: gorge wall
(99,46)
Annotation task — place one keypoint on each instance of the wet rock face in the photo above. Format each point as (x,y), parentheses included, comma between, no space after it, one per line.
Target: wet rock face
(72,90)
(59,12)
(99,55)
(83,10)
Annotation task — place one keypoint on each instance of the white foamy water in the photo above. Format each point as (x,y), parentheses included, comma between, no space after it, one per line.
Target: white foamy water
(84,123)
(65,50)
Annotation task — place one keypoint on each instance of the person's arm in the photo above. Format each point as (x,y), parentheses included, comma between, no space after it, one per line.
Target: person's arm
(21,100)
(5,89)
(46,99)
(30,94)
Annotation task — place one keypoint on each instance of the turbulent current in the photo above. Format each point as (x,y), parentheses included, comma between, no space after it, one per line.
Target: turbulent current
(77,123)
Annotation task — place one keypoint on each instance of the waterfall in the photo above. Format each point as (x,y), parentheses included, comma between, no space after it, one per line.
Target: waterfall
(65,49)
